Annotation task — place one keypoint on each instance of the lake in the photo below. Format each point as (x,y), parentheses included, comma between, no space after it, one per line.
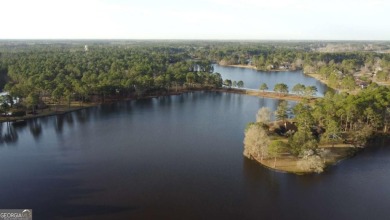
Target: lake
(177,157)
(253,79)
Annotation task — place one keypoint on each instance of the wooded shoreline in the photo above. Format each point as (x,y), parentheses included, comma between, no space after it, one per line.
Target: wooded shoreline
(75,106)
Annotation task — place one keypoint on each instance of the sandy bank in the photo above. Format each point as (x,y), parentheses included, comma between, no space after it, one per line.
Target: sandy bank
(289,164)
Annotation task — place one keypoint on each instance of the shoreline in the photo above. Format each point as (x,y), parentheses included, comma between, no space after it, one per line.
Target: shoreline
(289,163)
(62,109)
(241,66)
(318,77)
(255,68)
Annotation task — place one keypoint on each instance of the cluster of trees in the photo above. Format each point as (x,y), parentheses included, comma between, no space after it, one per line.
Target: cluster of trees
(358,115)
(281,88)
(299,89)
(336,118)
(341,118)
(229,83)
(37,76)
(303,90)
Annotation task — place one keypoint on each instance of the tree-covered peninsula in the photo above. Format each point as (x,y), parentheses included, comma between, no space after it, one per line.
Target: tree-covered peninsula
(321,132)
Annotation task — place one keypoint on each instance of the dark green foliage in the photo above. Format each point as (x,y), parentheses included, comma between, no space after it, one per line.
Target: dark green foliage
(18,113)
(302,140)
(65,75)
(281,111)
(240,84)
(281,88)
(263,87)
(382,76)
(298,89)
(339,116)
(227,82)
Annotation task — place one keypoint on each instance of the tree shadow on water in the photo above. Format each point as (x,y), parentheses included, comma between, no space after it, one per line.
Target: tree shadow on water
(35,128)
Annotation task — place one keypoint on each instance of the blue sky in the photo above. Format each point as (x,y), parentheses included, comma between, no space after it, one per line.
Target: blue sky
(196,19)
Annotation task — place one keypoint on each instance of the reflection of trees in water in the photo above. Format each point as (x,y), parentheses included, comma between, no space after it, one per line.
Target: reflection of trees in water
(82,116)
(60,119)
(69,118)
(35,128)
(44,120)
(1,134)
(164,100)
(128,106)
(144,102)
(108,109)
(8,133)
(59,123)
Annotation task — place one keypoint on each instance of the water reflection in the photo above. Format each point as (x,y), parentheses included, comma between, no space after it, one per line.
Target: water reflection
(69,119)
(59,123)
(8,133)
(82,116)
(9,130)
(35,128)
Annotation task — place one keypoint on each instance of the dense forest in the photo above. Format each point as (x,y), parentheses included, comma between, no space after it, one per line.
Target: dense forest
(39,72)
(67,74)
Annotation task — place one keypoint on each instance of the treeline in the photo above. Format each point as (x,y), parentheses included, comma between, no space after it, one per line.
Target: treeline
(343,70)
(291,55)
(65,75)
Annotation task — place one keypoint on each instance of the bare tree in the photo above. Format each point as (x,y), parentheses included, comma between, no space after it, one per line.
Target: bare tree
(263,115)
(311,162)
(256,142)
(324,153)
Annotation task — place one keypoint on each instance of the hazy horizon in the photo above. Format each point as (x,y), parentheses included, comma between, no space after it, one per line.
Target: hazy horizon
(277,20)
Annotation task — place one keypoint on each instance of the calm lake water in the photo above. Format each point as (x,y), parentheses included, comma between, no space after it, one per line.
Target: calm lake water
(177,157)
(253,79)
